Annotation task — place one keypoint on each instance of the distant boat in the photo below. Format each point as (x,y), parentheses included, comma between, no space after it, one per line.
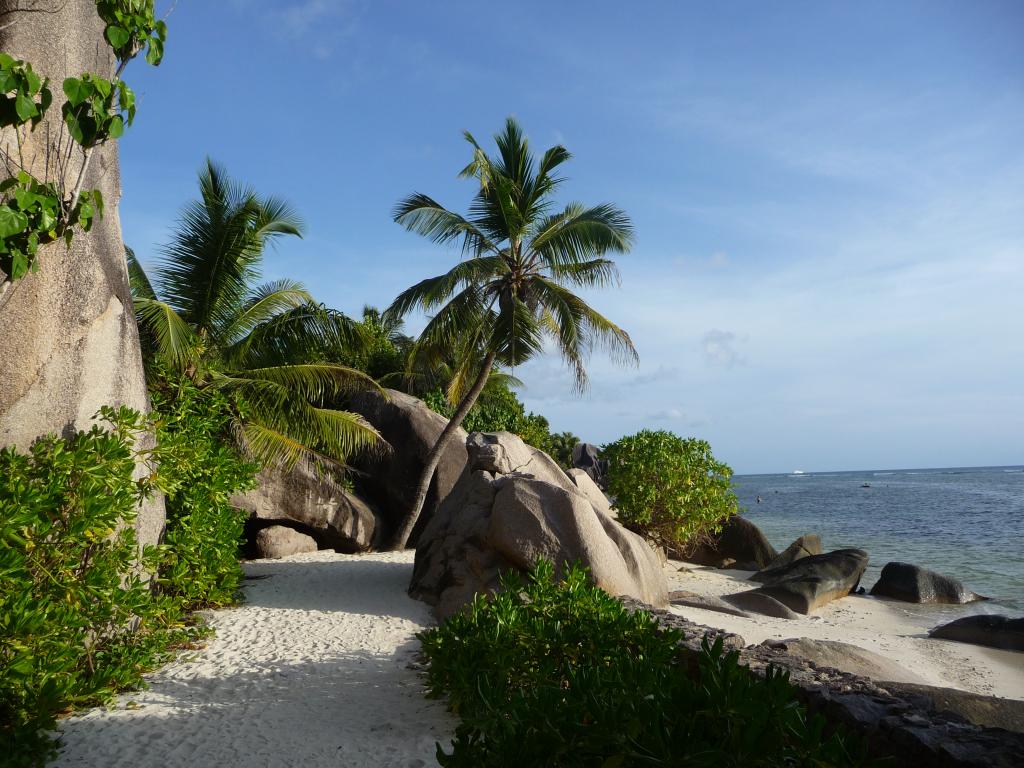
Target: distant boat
(798,471)
(866,485)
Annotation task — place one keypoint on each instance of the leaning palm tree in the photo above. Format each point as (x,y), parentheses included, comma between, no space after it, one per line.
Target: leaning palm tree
(512,291)
(206,317)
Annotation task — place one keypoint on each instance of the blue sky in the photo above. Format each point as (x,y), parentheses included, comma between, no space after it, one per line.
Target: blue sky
(828,197)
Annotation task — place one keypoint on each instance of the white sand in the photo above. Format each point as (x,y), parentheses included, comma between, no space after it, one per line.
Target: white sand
(894,630)
(311,671)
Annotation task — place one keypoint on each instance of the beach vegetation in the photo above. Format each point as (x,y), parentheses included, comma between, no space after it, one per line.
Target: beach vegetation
(513,290)
(558,673)
(670,489)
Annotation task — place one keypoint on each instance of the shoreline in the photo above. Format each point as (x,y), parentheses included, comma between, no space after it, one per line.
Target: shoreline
(873,624)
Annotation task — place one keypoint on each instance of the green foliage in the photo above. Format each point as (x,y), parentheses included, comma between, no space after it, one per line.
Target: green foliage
(560,674)
(201,469)
(670,489)
(69,589)
(131,25)
(560,446)
(24,95)
(97,109)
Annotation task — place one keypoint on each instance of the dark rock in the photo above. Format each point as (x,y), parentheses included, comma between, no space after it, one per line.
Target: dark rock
(914,584)
(739,542)
(512,506)
(988,711)
(279,541)
(693,600)
(588,458)
(389,481)
(755,601)
(810,582)
(807,545)
(992,631)
(318,506)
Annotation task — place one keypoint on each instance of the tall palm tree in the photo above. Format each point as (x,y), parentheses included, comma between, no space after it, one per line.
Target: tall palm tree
(206,317)
(512,290)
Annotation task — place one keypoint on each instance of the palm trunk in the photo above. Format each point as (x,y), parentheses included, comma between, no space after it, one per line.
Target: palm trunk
(401,538)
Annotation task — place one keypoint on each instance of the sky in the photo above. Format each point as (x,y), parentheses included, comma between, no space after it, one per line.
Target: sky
(828,198)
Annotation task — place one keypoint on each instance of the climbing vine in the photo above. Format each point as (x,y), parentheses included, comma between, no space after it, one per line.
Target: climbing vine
(97,109)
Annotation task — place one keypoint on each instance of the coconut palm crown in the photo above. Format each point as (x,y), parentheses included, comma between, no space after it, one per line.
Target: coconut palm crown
(513,289)
(206,316)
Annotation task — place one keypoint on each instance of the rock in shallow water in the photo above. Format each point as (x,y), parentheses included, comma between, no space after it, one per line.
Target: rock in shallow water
(914,584)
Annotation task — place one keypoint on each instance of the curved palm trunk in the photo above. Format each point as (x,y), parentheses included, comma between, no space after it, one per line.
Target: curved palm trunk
(401,538)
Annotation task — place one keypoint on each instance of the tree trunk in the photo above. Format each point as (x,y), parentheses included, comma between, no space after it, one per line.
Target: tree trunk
(401,538)
(69,342)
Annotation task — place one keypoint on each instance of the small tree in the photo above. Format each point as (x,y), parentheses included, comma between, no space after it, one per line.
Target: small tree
(669,489)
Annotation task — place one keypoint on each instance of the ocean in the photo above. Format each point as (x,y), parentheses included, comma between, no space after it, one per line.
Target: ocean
(967,523)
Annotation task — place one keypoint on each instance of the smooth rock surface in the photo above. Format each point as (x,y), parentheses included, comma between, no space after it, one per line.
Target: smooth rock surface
(69,342)
(740,545)
(755,601)
(513,506)
(992,631)
(706,602)
(337,519)
(279,541)
(914,584)
(846,658)
(807,545)
(810,582)
(411,429)
(592,491)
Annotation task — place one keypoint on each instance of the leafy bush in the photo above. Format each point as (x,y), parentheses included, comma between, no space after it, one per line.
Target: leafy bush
(560,674)
(67,550)
(202,469)
(670,489)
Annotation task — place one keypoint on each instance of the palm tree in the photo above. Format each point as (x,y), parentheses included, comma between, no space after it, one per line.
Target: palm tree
(512,290)
(205,317)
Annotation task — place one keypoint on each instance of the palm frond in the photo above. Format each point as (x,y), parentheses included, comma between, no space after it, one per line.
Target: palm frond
(579,234)
(138,281)
(434,291)
(176,344)
(263,304)
(425,216)
(314,381)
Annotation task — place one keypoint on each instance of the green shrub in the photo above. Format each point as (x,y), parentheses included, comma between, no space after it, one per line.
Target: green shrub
(69,586)
(669,489)
(202,469)
(561,674)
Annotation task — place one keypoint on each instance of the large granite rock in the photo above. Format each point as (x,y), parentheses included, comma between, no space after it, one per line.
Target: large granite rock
(69,342)
(279,541)
(986,711)
(512,506)
(914,584)
(993,631)
(845,657)
(741,545)
(755,601)
(808,583)
(807,545)
(390,478)
(587,457)
(590,489)
(335,518)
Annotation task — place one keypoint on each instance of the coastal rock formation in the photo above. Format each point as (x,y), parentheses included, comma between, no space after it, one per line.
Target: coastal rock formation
(754,601)
(992,631)
(810,582)
(914,584)
(317,506)
(740,545)
(390,478)
(986,711)
(512,506)
(705,602)
(69,343)
(279,541)
(587,457)
(807,545)
(845,657)
(592,491)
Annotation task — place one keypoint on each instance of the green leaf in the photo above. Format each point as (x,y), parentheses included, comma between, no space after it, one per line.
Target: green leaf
(76,90)
(116,129)
(25,107)
(117,36)
(12,222)
(19,265)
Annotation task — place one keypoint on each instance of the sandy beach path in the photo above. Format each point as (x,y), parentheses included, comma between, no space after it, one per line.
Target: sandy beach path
(311,671)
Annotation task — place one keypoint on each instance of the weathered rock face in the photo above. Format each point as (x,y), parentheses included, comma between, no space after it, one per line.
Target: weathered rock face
(993,631)
(69,343)
(807,545)
(512,506)
(587,457)
(335,518)
(411,429)
(986,711)
(755,601)
(914,584)
(741,545)
(279,541)
(810,582)
(590,489)
(846,658)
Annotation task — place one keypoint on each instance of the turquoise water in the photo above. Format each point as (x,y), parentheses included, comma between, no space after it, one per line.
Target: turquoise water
(965,523)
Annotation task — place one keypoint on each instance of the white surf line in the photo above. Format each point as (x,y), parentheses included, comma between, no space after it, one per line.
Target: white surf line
(313,670)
